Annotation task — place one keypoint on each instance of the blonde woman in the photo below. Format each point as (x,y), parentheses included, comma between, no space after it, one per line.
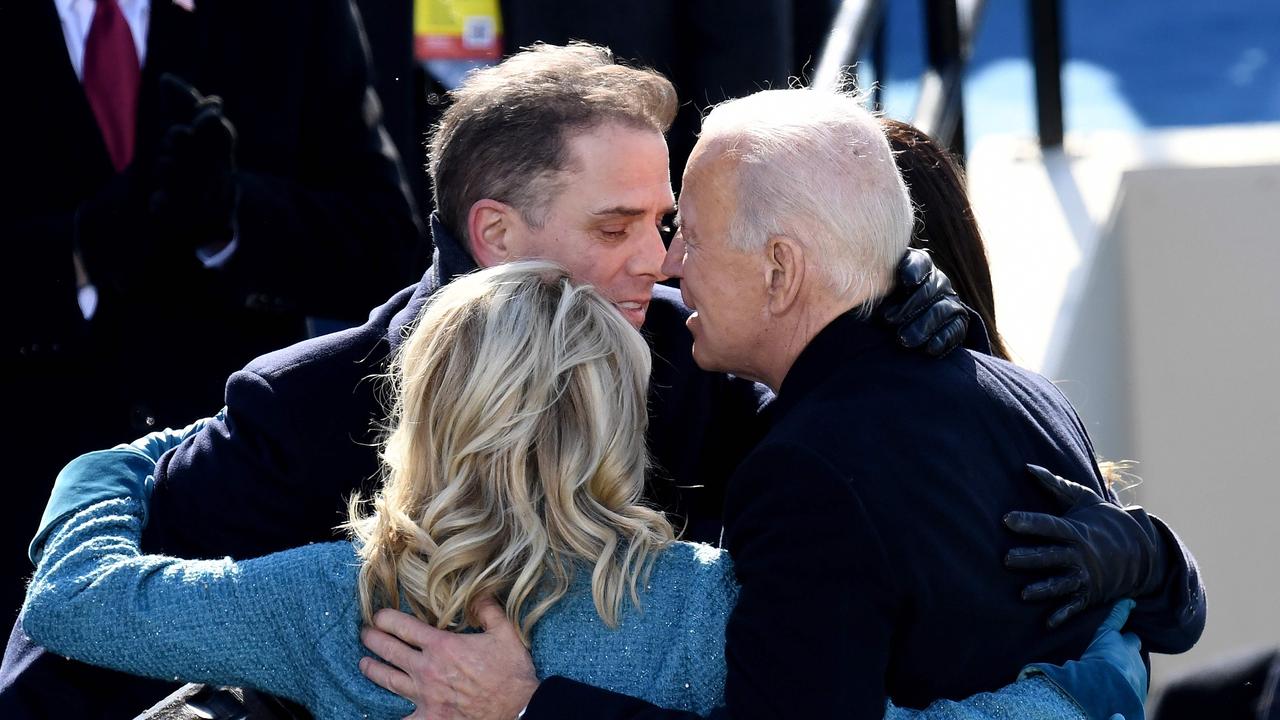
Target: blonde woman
(513,468)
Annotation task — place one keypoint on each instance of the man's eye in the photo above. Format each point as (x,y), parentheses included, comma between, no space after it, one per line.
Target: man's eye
(613,234)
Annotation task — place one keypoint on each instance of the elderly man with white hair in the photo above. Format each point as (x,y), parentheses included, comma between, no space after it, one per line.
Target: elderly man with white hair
(865,563)
(865,534)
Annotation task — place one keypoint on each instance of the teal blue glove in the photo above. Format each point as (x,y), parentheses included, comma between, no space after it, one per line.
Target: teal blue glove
(1110,681)
(89,479)
(125,471)
(155,444)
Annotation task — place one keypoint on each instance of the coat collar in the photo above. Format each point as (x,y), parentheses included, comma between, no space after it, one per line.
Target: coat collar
(832,351)
(449,260)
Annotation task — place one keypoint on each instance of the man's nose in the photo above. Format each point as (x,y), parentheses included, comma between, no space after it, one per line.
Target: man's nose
(673,263)
(649,259)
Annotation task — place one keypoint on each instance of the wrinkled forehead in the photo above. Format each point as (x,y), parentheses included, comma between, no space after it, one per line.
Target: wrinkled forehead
(710,181)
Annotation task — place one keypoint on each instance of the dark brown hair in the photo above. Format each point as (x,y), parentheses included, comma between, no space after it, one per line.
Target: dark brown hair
(505,135)
(944,220)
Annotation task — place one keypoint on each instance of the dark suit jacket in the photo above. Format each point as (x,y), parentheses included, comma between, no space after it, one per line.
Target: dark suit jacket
(298,439)
(865,531)
(324,226)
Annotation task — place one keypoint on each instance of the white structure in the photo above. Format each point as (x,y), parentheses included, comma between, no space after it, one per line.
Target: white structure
(1142,273)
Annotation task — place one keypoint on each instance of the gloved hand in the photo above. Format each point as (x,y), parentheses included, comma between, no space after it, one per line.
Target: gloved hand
(1105,552)
(1110,680)
(121,472)
(923,308)
(195,195)
(156,444)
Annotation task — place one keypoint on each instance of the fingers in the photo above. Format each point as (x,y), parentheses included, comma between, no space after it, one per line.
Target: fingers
(1040,525)
(216,133)
(1066,492)
(1066,612)
(913,269)
(949,337)
(178,96)
(389,647)
(491,615)
(1039,558)
(1060,586)
(387,677)
(1118,616)
(922,326)
(405,627)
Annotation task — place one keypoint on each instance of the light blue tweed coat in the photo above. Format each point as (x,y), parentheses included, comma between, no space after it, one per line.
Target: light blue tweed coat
(289,622)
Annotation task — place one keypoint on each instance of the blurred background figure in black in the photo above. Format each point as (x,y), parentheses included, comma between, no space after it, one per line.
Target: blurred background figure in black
(712,50)
(188,182)
(1241,687)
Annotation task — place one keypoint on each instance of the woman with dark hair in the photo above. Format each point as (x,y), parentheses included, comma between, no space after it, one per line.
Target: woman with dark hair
(944,220)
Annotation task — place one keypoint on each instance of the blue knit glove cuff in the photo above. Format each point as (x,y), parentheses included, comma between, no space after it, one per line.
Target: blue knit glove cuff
(123,472)
(1100,691)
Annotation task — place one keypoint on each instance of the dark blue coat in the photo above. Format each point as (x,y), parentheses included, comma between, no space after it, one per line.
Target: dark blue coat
(866,534)
(298,440)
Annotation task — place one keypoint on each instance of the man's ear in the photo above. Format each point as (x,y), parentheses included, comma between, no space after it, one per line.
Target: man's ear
(784,272)
(490,228)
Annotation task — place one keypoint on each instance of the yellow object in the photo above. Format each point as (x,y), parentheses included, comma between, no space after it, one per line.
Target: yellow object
(457,30)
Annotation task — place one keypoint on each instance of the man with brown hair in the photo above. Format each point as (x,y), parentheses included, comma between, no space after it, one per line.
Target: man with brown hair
(556,153)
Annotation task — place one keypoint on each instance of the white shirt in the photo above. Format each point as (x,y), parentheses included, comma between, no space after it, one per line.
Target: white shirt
(77,16)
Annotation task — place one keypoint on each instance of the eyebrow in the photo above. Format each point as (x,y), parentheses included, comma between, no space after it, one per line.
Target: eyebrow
(628,211)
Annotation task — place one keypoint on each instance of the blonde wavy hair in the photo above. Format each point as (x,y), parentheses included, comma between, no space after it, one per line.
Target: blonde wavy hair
(514,456)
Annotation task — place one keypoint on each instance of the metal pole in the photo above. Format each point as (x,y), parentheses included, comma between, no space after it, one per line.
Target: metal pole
(850,34)
(940,111)
(1046,50)
(880,59)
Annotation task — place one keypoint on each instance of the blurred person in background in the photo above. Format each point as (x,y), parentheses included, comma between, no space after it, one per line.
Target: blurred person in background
(711,50)
(211,167)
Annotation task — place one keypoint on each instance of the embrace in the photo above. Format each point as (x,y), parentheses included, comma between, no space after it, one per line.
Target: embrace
(469,506)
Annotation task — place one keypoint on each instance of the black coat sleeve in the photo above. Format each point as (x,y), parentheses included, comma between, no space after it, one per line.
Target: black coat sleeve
(275,472)
(810,635)
(1172,619)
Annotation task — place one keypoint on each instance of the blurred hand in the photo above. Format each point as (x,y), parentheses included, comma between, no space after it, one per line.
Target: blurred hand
(1101,552)
(195,194)
(449,676)
(923,308)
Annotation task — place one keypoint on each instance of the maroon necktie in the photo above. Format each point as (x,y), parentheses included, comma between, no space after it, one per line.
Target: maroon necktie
(111,78)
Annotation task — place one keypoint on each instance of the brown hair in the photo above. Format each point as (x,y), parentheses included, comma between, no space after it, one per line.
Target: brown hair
(505,135)
(944,220)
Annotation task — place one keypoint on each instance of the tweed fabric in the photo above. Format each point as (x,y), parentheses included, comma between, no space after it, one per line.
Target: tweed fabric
(289,623)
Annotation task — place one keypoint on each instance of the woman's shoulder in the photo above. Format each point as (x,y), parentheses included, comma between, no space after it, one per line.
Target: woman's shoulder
(686,564)
(683,605)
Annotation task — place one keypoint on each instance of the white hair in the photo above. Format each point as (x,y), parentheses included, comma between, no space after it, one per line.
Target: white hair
(815,165)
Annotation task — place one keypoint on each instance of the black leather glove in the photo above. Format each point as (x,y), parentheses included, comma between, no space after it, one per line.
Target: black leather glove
(195,195)
(923,309)
(1106,552)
